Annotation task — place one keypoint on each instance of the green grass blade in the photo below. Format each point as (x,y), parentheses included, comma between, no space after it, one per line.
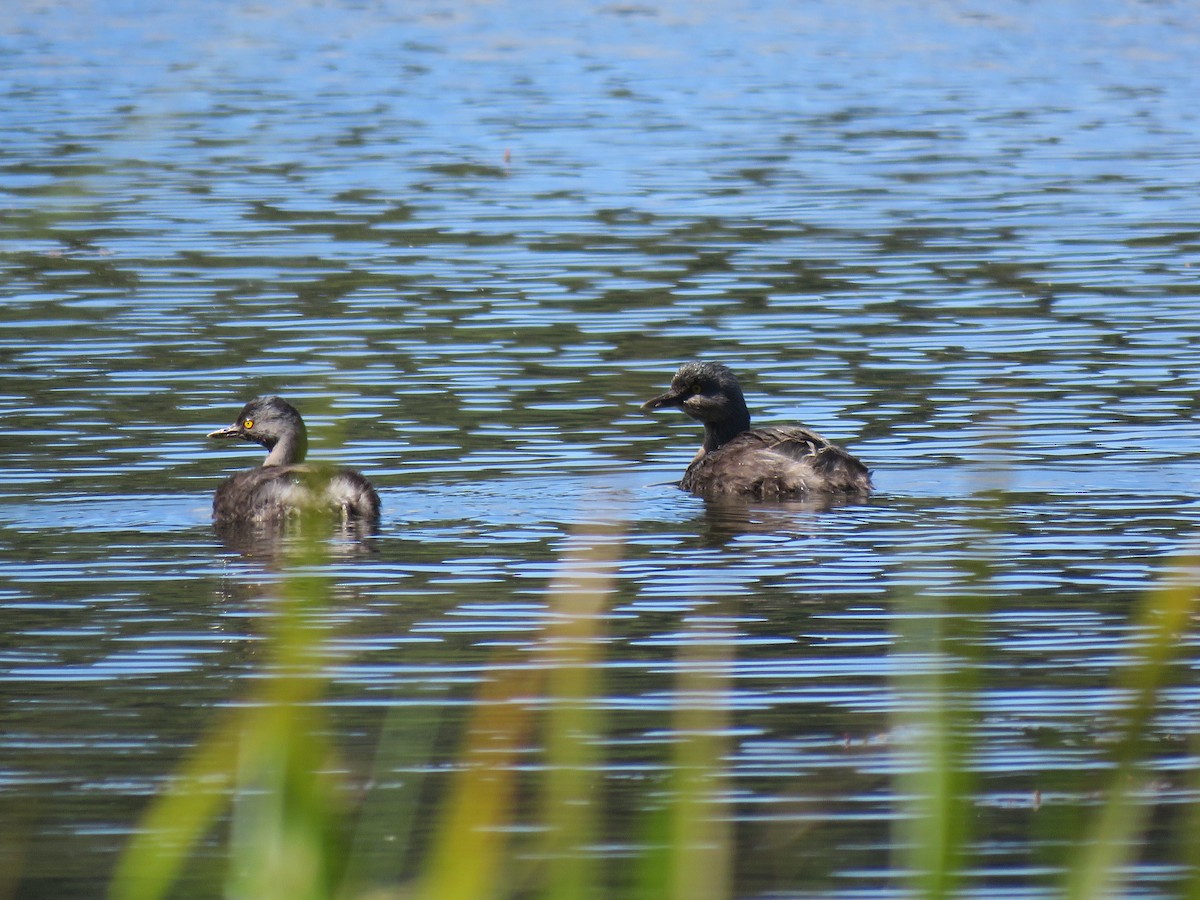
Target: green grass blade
(1098,869)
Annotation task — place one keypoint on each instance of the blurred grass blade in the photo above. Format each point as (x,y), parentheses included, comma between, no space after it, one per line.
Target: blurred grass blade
(701,835)
(178,818)
(572,650)
(1187,838)
(471,857)
(269,754)
(689,842)
(934,687)
(286,839)
(1097,870)
(468,860)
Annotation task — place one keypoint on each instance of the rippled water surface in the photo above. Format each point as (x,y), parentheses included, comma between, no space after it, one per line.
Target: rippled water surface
(467,240)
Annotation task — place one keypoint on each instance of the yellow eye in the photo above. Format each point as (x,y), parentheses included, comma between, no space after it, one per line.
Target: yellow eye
(249,423)
(695,388)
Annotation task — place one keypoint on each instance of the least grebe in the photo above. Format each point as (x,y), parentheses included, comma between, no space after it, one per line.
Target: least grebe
(776,462)
(283,485)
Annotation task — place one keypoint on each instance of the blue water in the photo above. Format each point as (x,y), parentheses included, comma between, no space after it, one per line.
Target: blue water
(467,241)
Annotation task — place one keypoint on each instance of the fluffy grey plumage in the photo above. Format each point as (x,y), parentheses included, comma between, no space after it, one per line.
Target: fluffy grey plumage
(284,485)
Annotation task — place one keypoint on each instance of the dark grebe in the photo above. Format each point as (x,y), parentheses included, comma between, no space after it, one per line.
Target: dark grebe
(282,486)
(777,462)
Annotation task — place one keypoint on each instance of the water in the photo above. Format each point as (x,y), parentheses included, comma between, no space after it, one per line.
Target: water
(467,241)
